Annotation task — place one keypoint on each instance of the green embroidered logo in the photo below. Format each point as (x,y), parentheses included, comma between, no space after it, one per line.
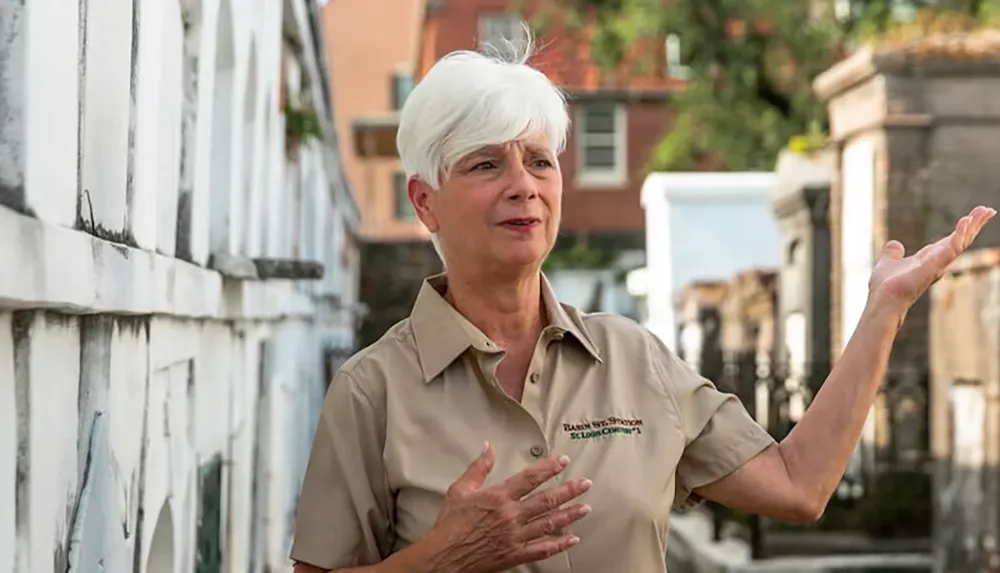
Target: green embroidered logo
(610,426)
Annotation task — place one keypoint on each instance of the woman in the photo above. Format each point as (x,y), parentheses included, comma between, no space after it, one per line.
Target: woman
(497,430)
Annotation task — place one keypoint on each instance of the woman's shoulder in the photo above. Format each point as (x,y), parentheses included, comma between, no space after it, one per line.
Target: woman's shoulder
(607,327)
(391,357)
(611,322)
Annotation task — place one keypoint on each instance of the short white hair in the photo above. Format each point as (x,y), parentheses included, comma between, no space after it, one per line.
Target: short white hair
(469,100)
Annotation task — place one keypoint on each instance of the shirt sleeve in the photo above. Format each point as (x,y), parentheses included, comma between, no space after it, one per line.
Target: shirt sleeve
(720,435)
(345,506)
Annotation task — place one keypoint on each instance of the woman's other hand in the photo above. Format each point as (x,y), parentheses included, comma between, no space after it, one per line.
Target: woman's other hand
(484,530)
(898,281)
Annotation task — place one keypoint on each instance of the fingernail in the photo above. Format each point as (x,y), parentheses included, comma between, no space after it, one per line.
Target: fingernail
(486,448)
(586,483)
(563,460)
(574,540)
(585,509)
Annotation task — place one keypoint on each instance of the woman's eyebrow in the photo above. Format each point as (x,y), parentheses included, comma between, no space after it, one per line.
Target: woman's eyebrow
(539,149)
(488,150)
(481,153)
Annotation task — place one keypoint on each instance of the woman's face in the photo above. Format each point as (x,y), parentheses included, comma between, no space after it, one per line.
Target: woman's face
(500,205)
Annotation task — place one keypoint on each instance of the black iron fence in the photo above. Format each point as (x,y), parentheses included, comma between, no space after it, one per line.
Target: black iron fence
(885,499)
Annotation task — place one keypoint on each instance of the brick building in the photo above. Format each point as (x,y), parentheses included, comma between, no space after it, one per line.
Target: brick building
(617,118)
(374,73)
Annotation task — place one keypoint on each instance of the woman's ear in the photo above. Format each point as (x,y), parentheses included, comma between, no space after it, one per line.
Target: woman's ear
(422,197)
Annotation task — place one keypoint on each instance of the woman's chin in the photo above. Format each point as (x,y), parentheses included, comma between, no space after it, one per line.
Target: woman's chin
(522,256)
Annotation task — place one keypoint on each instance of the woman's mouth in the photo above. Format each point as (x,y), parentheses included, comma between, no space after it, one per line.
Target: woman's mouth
(521,225)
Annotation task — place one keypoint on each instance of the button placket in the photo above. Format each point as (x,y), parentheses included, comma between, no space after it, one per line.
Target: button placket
(536,381)
(532,398)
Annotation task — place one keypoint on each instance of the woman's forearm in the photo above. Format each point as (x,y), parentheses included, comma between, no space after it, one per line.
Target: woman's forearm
(417,558)
(818,449)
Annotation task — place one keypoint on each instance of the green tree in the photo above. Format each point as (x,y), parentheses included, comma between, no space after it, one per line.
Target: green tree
(750,64)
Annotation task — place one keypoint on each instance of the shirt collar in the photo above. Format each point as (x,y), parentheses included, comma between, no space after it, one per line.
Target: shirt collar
(442,334)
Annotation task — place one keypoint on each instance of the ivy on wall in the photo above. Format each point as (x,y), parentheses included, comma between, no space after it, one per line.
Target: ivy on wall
(301,124)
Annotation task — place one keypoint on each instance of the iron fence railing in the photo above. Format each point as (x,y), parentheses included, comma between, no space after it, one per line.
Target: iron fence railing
(886,493)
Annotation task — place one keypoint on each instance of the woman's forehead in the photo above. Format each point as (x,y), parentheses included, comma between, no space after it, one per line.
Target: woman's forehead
(528,142)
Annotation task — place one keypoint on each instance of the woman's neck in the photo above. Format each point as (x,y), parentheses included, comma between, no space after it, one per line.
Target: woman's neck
(509,312)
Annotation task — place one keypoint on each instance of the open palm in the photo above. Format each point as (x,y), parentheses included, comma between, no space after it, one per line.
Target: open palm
(904,279)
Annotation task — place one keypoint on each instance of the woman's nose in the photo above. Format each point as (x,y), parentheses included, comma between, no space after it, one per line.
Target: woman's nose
(522,184)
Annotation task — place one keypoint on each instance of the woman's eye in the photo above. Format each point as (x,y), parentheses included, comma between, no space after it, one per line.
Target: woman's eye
(543,163)
(484,165)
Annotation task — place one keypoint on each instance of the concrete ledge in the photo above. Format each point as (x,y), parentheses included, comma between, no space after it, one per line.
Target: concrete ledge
(46,266)
(691,543)
(713,186)
(691,549)
(908,562)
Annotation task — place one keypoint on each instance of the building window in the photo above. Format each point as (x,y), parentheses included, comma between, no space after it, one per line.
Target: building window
(498,28)
(402,85)
(601,131)
(675,69)
(403,207)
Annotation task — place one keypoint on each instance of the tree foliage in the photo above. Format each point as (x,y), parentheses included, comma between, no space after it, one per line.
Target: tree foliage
(750,64)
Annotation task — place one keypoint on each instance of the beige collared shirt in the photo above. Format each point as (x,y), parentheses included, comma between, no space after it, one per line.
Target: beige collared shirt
(406,416)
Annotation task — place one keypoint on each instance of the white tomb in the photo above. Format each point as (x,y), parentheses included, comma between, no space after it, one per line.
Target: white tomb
(701,226)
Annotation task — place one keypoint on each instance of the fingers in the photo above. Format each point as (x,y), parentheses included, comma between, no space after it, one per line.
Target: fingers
(962,234)
(893,250)
(545,548)
(986,214)
(552,523)
(475,475)
(542,502)
(966,230)
(941,253)
(532,477)
(969,226)
(977,220)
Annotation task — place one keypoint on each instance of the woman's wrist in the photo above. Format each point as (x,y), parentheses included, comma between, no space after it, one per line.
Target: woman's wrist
(424,556)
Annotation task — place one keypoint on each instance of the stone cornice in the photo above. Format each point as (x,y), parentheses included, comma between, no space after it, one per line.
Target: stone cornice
(788,204)
(813,198)
(926,58)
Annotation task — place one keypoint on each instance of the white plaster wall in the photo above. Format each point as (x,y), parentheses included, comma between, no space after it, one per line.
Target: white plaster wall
(123,370)
(105,129)
(8,444)
(48,437)
(52,103)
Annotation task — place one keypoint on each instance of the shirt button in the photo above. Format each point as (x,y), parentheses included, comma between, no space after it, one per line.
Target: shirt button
(534,377)
(537,451)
